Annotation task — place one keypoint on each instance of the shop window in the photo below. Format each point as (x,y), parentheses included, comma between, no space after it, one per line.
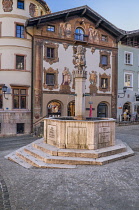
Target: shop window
(20,4)
(20,31)
(54,109)
(19,98)
(79,34)
(20,62)
(20,128)
(1,98)
(50,28)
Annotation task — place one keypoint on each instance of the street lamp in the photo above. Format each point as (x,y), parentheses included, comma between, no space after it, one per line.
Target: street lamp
(4,90)
(124,91)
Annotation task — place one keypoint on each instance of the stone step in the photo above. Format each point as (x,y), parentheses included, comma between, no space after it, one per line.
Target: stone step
(54,151)
(77,160)
(33,161)
(13,157)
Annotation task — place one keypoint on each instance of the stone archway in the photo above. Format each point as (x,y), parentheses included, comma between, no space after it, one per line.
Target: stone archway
(54,108)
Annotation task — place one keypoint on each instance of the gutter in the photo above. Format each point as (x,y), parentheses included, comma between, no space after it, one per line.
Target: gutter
(32,65)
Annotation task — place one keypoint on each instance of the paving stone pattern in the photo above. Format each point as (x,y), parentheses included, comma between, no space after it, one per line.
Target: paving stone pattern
(114,186)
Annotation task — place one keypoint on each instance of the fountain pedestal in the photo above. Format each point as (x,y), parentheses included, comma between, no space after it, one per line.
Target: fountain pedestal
(79,134)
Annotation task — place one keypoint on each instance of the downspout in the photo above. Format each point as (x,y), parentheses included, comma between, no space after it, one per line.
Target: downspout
(32,65)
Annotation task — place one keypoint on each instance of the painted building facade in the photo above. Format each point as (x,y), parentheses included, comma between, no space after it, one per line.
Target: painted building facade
(55,39)
(128,76)
(16,65)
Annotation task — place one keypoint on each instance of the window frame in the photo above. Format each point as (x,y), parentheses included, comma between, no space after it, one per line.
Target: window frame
(51,26)
(49,83)
(52,52)
(131,81)
(19,95)
(78,34)
(21,25)
(24,62)
(19,1)
(104,56)
(126,59)
(104,38)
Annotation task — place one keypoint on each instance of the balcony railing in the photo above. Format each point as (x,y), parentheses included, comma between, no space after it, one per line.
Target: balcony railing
(81,37)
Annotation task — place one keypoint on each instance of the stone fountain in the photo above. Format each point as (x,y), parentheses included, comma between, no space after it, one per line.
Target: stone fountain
(71,141)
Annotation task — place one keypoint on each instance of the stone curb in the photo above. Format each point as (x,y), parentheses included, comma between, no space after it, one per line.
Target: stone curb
(4,195)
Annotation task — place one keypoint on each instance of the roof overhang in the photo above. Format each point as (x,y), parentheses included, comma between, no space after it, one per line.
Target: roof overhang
(83,11)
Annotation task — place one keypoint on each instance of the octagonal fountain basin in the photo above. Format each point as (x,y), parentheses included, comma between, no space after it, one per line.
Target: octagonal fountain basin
(69,133)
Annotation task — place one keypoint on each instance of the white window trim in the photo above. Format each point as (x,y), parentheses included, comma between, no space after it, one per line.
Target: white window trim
(131,60)
(131,87)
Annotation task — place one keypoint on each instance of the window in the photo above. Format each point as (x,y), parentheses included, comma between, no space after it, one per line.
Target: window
(50,79)
(19,98)
(50,52)
(129,58)
(128,79)
(104,83)
(20,128)
(20,4)
(19,62)
(104,60)
(50,28)
(1,101)
(20,31)
(104,38)
(79,34)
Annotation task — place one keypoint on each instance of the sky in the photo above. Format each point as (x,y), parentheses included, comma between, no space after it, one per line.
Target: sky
(122,13)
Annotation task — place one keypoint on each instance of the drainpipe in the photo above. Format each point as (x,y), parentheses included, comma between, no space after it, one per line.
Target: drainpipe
(32,65)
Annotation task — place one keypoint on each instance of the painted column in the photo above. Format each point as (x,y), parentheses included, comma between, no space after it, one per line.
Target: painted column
(114,84)
(38,79)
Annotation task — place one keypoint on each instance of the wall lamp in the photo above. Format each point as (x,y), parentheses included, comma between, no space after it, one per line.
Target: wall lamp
(124,91)
(4,90)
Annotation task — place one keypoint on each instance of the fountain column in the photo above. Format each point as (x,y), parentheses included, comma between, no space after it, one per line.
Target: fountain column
(80,78)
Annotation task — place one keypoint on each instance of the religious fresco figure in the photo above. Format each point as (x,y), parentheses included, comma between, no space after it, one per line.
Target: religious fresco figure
(7,5)
(32,9)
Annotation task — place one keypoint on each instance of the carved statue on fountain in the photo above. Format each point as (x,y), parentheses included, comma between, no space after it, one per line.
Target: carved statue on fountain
(79,58)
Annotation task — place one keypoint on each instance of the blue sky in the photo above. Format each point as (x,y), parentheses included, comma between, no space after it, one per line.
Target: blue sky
(122,13)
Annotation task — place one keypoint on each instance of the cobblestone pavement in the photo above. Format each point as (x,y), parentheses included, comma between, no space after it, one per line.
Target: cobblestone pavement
(114,186)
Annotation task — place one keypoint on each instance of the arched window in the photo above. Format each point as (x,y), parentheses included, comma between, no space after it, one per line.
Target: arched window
(102,110)
(79,34)
(54,109)
(71,108)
